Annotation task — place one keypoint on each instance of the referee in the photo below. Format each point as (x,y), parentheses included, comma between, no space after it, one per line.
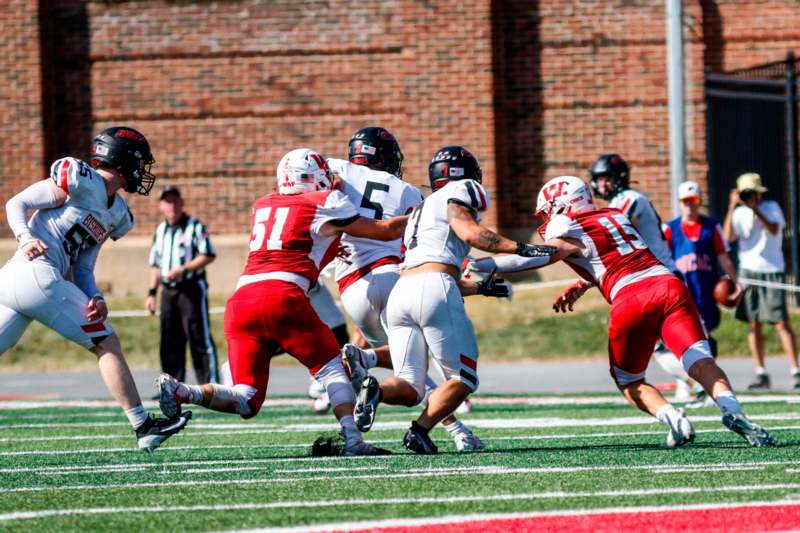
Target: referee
(181,250)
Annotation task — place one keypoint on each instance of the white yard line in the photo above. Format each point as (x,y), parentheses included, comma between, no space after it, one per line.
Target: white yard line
(438,500)
(552,436)
(473,519)
(409,473)
(487,423)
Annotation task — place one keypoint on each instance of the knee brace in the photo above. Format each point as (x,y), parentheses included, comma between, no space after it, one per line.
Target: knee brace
(623,378)
(338,387)
(695,352)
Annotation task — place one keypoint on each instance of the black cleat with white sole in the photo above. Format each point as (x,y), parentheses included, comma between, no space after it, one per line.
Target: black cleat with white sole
(418,441)
(156,430)
(755,435)
(367,404)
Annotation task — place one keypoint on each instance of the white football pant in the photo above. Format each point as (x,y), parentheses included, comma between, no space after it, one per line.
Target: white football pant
(365,301)
(35,290)
(426,311)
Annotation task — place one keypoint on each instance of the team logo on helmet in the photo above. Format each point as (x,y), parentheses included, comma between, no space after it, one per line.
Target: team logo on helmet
(303,170)
(564,195)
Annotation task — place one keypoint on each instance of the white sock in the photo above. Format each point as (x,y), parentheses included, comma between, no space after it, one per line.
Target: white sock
(456,428)
(136,415)
(794,370)
(667,413)
(760,371)
(727,403)
(370,358)
(351,433)
(189,393)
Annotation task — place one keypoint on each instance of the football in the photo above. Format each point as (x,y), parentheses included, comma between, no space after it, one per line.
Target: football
(723,291)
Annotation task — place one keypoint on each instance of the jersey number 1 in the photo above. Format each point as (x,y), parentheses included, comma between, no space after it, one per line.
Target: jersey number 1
(261,224)
(631,239)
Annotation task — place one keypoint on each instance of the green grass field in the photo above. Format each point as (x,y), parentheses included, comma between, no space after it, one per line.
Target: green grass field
(76,469)
(526,328)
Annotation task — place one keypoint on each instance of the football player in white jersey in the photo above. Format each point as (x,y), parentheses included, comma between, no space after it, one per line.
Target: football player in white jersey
(367,270)
(426,310)
(610,180)
(76,210)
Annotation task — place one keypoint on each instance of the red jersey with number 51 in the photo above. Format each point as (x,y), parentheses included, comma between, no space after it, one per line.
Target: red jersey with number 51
(614,254)
(286,238)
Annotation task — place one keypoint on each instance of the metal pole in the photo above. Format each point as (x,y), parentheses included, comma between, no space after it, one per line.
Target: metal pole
(791,146)
(677,148)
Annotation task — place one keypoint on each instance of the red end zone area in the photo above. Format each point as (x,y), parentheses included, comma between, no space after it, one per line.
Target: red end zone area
(782,516)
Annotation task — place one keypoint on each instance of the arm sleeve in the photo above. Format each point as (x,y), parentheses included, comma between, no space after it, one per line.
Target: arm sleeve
(83,272)
(509,263)
(37,196)
(411,198)
(774,214)
(204,246)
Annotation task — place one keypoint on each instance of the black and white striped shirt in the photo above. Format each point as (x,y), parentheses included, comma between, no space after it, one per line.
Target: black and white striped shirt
(176,245)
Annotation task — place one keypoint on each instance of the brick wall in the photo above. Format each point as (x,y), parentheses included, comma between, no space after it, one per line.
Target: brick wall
(534,88)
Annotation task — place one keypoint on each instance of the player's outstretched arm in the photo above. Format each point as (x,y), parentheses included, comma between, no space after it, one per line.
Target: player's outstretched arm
(379,230)
(462,221)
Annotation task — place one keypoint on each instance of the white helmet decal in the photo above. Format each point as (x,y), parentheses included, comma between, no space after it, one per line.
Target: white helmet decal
(564,195)
(303,170)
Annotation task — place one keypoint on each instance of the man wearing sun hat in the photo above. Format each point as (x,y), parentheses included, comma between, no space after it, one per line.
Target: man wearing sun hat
(757,225)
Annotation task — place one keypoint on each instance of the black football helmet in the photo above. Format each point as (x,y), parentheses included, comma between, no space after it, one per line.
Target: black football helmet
(376,148)
(453,163)
(128,152)
(613,166)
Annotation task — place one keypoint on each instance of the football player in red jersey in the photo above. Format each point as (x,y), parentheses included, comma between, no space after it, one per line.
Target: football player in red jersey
(647,302)
(295,233)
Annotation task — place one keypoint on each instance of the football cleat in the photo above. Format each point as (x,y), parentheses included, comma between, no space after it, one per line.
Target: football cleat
(364,448)
(703,400)
(168,400)
(760,383)
(419,442)
(321,405)
(680,432)
(154,431)
(355,362)
(754,434)
(367,404)
(467,441)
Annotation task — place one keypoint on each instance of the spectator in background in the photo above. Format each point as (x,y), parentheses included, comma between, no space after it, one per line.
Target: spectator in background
(700,252)
(181,250)
(757,225)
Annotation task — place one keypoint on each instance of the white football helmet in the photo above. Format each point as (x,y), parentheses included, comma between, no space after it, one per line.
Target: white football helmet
(564,195)
(303,170)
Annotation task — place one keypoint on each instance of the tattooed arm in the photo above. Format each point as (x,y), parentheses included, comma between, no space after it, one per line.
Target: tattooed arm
(462,221)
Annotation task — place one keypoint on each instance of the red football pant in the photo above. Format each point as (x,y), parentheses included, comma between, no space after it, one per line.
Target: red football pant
(263,316)
(643,312)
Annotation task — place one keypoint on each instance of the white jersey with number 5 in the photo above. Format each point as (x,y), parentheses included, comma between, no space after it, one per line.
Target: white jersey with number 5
(377,195)
(86,219)
(428,237)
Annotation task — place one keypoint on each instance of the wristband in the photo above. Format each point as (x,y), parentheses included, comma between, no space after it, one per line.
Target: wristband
(152,292)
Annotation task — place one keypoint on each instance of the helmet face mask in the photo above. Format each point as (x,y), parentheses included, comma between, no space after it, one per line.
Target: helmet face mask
(453,163)
(127,151)
(615,168)
(303,170)
(376,148)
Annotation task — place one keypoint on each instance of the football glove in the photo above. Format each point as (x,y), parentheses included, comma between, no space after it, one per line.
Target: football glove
(535,250)
(570,295)
(495,287)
